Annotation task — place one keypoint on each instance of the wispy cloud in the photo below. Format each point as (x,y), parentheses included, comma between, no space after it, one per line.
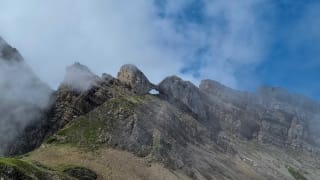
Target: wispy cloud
(196,39)
(225,36)
(106,34)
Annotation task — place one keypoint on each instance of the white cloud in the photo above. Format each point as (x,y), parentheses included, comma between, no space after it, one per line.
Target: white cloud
(106,34)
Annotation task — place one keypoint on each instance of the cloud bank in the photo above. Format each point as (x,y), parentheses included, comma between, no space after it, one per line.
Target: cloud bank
(153,35)
(195,39)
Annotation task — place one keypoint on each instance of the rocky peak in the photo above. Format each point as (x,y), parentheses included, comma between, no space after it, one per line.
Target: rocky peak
(9,53)
(177,90)
(174,86)
(131,76)
(79,77)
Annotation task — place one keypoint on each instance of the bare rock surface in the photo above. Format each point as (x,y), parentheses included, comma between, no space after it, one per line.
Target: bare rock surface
(131,76)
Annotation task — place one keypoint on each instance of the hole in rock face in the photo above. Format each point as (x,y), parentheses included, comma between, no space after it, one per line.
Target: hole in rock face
(154,92)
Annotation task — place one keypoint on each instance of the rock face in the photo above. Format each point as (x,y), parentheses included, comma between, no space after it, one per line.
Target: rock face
(131,76)
(271,115)
(185,95)
(178,90)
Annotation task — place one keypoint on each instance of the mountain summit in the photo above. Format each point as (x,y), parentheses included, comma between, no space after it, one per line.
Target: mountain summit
(112,128)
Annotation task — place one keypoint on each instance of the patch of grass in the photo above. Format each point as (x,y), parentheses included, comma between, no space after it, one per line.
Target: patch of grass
(85,131)
(90,131)
(296,174)
(107,163)
(20,168)
(51,140)
(12,168)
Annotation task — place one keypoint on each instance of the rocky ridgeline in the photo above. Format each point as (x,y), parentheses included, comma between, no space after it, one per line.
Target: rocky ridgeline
(185,127)
(271,115)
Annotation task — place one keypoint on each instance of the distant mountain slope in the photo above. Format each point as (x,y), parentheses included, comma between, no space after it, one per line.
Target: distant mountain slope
(113,128)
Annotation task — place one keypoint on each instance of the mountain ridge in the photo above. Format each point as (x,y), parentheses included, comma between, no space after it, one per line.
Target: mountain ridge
(205,132)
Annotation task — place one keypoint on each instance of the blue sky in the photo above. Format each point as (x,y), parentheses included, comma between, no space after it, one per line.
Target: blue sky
(243,44)
(293,58)
(292,49)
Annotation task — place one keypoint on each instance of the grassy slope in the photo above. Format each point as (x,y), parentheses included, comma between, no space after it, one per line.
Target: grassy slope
(15,168)
(107,163)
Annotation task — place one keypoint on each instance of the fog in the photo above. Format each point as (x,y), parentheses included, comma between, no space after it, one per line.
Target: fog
(79,77)
(23,99)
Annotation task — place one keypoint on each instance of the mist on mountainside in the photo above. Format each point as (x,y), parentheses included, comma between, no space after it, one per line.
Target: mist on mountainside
(24,97)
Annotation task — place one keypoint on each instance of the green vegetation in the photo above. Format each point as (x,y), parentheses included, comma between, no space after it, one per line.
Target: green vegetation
(89,131)
(13,168)
(51,140)
(17,168)
(296,174)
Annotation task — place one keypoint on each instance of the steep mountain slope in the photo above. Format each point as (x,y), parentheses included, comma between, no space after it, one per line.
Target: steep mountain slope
(112,128)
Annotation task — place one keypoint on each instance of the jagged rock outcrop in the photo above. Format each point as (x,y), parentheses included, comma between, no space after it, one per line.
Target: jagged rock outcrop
(72,99)
(177,90)
(131,76)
